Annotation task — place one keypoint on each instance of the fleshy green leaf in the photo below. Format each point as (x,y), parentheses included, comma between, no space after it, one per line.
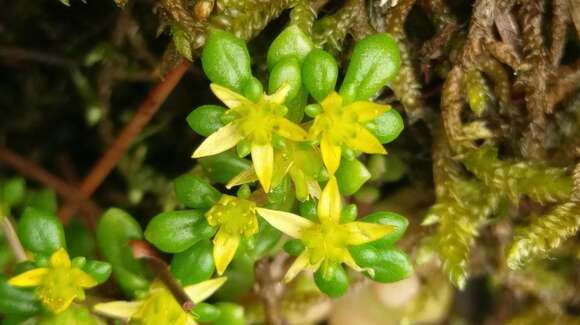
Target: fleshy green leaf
(319,73)
(193,265)
(40,231)
(226,60)
(175,231)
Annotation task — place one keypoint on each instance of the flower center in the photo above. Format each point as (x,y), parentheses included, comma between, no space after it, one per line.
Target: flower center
(234,215)
(58,287)
(257,122)
(326,240)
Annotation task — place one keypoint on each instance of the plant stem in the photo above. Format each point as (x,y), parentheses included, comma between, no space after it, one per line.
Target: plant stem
(144,114)
(12,239)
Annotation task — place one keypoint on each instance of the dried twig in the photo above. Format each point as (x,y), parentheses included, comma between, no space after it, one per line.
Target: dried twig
(144,113)
(269,287)
(33,171)
(12,239)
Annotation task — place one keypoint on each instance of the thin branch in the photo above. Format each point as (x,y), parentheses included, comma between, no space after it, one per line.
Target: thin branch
(269,287)
(144,114)
(12,239)
(33,171)
(20,54)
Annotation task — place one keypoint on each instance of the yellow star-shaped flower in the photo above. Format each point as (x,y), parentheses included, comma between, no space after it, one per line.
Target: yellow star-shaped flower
(255,122)
(300,161)
(57,285)
(326,242)
(236,218)
(339,125)
(159,306)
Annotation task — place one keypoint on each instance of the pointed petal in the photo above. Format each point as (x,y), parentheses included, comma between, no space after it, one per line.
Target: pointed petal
(364,232)
(299,264)
(118,309)
(230,98)
(247,176)
(221,140)
(330,154)
(56,305)
(331,102)
(288,223)
(279,96)
(60,258)
(203,290)
(365,141)
(263,158)
(348,260)
(224,248)
(83,279)
(367,111)
(300,184)
(290,130)
(30,278)
(330,202)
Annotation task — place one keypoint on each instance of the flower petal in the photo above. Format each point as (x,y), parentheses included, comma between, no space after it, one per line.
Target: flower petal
(225,246)
(367,111)
(299,264)
(83,279)
(290,130)
(331,102)
(230,98)
(330,202)
(279,96)
(365,141)
(30,278)
(219,141)
(118,309)
(263,158)
(330,154)
(60,258)
(300,184)
(348,260)
(364,232)
(56,305)
(288,223)
(200,291)
(247,176)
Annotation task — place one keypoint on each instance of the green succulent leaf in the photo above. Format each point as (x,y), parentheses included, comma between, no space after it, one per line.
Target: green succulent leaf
(223,167)
(226,60)
(176,231)
(387,127)
(17,301)
(399,223)
(206,313)
(375,61)
(206,119)
(195,193)
(351,176)
(319,73)
(333,280)
(40,231)
(195,264)
(286,71)
(98,270)
(230,314)
(392,265)
(292,41)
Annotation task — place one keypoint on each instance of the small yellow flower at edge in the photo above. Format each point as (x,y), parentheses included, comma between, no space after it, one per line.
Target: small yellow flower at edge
(236,218)
(340,125)
(255,122)
(159,306)
(59,284)
(326,242)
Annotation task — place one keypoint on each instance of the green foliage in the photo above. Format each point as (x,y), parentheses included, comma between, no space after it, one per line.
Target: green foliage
(333,280)
(544,233)
(176,231)
(195,193)
(388,126)
(319,73)
(292,42)
(206,119)
(40,231)
(351,176)
(195,264)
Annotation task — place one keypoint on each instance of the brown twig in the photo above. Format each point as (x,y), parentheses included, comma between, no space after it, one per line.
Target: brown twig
(12,239)
(33,171)
(144,113)
(142,251)
(270,289)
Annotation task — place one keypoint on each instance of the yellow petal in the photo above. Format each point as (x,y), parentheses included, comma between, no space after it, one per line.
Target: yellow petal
(83,279)
(123,310)
(367,111)
(230,98)
(365,141)
(60,258)
(30,278)
(201,291)
(263,158)
(247,176)
(56,305)
(330,203)
(219,141)
(290,130)
(288,223)
(279,96)
(364,232)
(225,246)
(348,260)
(330,154)
(299,264)
(300,184)
(331,102)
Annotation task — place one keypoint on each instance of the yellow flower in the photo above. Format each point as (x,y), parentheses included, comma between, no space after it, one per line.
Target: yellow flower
(326,242)
(340,125)
(298,160)
(59,284)
(159,306)
(255,122)
(236,218)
